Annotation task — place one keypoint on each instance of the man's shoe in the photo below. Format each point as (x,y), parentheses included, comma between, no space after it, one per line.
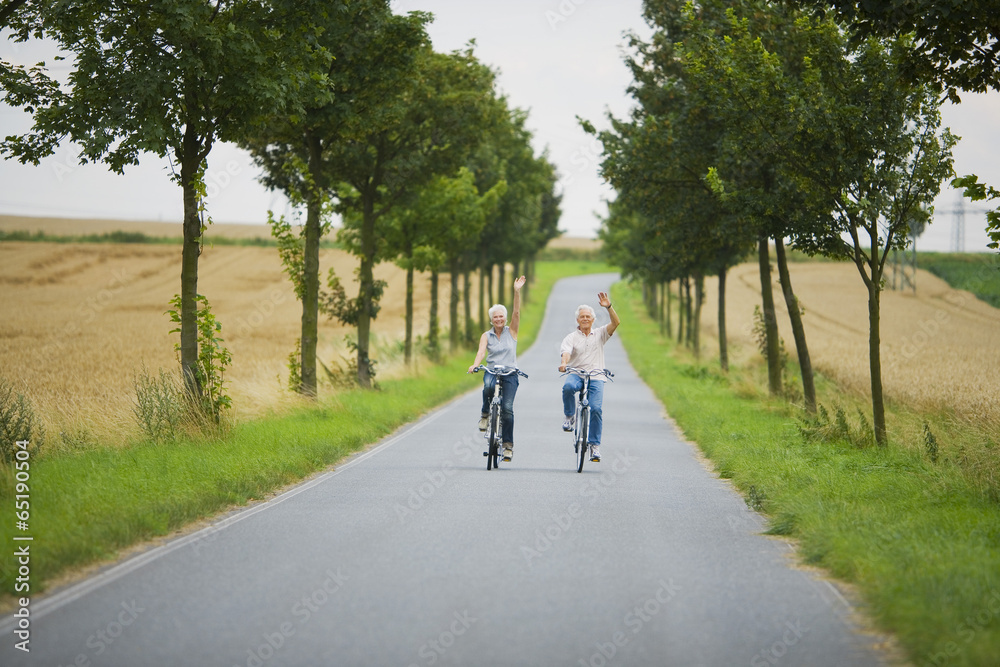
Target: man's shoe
(508,451)
(568,424)
(595,453)
(483,421)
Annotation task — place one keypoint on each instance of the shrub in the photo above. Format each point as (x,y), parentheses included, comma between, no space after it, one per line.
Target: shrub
(159,406)
(18,422)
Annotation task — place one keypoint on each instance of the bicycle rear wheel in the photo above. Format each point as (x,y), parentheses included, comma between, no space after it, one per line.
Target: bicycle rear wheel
(584,430)
(491,455)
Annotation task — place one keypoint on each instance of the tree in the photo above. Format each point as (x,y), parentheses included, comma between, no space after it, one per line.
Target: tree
(858,139)
(368,57)
(432,232)
(439,122)
(954,44)
(168,78)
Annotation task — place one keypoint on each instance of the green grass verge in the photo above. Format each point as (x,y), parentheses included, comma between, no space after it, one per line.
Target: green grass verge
(921,543)
(87,506)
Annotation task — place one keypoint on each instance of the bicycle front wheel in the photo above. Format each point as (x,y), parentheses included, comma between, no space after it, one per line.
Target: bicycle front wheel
(584,430)
(491,456)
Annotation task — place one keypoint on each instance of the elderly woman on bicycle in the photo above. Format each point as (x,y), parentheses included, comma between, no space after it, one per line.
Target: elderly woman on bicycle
(499,346)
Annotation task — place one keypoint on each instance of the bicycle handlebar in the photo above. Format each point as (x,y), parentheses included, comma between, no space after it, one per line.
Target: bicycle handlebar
(579,371)
(500,370)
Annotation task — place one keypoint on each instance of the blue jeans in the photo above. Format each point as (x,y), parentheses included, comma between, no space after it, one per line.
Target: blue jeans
(508,390)
(595,396)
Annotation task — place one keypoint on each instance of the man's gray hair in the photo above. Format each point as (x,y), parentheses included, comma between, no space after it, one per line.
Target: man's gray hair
(583,307)
(498,308)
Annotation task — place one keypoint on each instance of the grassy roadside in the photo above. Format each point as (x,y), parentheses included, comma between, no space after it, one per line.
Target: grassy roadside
(919,540)
(89,505)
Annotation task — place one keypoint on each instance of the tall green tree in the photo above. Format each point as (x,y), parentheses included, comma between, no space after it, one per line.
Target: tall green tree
(165,77)
(952,44)
(858,139)
(365,57)
(440,121)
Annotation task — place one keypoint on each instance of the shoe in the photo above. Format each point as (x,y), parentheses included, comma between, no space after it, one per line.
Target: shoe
(483,421)
(508,451)
(568,424)
(595,453)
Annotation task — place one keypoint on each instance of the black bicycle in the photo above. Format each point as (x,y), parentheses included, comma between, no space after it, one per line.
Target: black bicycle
(494,425)
(581,427)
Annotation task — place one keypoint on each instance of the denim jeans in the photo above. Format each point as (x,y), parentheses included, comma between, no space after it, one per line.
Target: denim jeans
(509,390)
(595,396)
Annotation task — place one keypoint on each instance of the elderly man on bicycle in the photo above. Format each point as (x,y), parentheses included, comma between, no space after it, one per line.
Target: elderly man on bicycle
(500,343)
(584,349)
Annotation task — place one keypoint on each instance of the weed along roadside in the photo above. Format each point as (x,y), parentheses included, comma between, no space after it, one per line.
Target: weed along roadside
(89,504)
(918,539)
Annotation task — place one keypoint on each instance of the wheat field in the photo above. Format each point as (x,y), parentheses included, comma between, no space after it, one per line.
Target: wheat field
(940,347)
(81,320)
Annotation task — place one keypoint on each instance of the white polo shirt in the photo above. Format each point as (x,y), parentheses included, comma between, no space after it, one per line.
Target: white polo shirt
(586,352)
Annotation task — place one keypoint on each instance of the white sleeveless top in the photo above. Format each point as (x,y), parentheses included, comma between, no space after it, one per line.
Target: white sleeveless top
(501,350)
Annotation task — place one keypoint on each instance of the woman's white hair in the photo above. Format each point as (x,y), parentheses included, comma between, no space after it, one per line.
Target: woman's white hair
(498,308)
(583,307)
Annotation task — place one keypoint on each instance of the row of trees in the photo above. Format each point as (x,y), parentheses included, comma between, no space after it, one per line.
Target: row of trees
(344,105)
(759,123)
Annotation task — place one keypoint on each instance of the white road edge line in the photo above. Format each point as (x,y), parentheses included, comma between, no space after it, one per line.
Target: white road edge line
(76,591)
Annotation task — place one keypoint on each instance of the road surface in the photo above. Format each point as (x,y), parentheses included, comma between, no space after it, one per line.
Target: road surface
(413,554)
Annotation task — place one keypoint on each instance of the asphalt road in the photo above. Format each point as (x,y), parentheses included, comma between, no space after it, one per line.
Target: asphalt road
(413,554)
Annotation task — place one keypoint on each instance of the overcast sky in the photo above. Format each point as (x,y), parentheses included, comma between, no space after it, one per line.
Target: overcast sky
(558,59)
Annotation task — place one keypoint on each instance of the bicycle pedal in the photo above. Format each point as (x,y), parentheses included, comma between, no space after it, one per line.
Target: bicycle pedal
(486,453)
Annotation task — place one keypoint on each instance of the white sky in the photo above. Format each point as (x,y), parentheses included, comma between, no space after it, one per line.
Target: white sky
(557,58)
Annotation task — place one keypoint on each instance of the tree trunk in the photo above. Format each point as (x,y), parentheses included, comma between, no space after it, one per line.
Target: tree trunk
(432,333)
(669,306)
(723,345)
(310,273)
(454,327)
(467,307)
(663,305)
(680,311)
(798,330)
(688,312)
(408,336)
(489,295)
(366,278)
(483,300)
(874,342)
(773,344)
(190,252)
(699,300)
(501,279)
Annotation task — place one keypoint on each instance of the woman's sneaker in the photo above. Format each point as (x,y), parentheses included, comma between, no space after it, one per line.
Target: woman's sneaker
(569,423)
(508,451)
(595,453)
(483,419)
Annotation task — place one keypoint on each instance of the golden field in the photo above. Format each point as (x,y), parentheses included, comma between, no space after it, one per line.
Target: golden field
(80,320)
(940,347)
